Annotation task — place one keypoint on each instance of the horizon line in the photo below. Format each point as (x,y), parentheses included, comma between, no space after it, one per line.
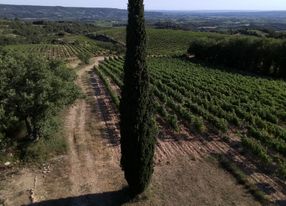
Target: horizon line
(155,10)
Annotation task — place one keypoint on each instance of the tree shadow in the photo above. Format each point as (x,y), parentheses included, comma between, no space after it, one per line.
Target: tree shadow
(105,110)
(114,198)
(265,187)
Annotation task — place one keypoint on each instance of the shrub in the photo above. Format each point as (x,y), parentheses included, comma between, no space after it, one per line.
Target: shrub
(84,57)
(220,123)
(173,120)
(199,124)
(234,119)
(259,123)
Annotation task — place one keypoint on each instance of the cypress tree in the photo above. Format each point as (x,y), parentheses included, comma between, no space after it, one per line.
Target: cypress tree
(137,137)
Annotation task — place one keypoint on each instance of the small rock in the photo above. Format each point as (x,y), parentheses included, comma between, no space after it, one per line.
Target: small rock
(7,163)
(193,158)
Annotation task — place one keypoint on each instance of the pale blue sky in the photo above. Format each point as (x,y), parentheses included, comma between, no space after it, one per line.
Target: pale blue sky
(165,4)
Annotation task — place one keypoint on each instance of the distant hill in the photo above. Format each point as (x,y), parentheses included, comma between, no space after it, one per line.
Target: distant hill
(230,14)
(57,13)
(65,13)
(60,13)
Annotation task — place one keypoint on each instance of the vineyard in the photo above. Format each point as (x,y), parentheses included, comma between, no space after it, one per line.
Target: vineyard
(68,47)
(209,101)
(163,41)
(56,51)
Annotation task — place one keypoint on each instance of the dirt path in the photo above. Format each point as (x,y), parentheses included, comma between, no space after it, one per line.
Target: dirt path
(89,175)
(90,167)
(91,163)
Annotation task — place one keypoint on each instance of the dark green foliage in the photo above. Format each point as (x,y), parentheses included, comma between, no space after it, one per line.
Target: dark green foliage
(137,138)
(173,120)
(199,124)
(256,55)
(26,32)
(32,91)
(162,110)
(84,57)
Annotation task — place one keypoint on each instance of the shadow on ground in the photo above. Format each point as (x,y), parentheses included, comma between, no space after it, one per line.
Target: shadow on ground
(105,110)
(114,198)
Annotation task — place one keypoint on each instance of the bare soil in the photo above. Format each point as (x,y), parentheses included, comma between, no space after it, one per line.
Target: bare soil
(90,175)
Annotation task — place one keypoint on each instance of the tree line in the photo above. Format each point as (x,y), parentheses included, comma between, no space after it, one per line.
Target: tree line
(21,32)
(255,55)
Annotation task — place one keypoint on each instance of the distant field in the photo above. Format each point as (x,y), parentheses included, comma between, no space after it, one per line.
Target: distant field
(53,51)
(70,46)
(164,41)
(207,100)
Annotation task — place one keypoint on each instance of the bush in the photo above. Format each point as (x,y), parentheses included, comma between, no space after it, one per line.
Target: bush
(259,123)
(85,57)
(220,123)
(199,124)
(263,56)
(162,111)
(234,119)
(173,120)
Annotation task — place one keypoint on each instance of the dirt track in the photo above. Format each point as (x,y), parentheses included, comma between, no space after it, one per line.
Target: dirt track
(87,157)
(91,165)
(89,175)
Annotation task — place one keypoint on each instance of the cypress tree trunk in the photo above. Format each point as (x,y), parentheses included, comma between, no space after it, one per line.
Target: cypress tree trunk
(137,137)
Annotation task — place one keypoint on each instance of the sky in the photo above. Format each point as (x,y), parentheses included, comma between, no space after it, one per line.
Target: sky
(164,4)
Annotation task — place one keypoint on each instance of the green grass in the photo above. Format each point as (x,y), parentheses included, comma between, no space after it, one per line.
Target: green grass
(44,149)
